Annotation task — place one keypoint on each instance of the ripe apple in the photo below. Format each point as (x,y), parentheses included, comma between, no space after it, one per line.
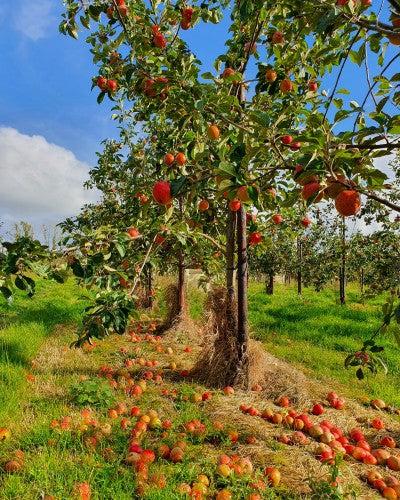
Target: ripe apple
(188,13)
(169,159)
(381,456)
(348,202)
(203,205)
(243,194)
(133,232)
(277,219)
(213,132)
(378,423)
(378,404)
(250,48)
(4,433)
(393,463)
(162,192)
(159,40)
(224,470)
(273,475)
(286,86)
(295,146)
(305,222)
(111,85)
(312,189)
(234,205)
(278,37)
(318,409)
(270,76)
(388,441)
(283,401)
(180,159)
(102,83)
(176,454)
(12,466)
(287,139)
(255,238)
(312,86)
(185,24)
(228,72)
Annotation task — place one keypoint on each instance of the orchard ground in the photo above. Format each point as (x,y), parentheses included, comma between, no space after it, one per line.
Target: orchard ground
(313,332)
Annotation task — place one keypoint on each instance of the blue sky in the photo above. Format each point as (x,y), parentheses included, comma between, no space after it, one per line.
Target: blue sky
(50,124)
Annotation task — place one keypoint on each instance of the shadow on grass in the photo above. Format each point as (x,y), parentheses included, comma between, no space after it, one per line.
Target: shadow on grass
(12,353)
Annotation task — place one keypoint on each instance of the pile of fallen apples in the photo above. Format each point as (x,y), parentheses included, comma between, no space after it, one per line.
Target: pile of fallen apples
(330,440)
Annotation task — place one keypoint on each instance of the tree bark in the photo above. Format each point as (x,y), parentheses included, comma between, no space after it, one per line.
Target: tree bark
(242,272)
(150,295)
(342,277)
(362,280)
(230,269)
(269,285)
(181,270)
(299,264)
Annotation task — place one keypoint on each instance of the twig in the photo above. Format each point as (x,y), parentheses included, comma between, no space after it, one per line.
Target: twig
(380,200)
(372,87)
(215,243)
(367,73)
(146,258)
(340,73)
(222,117)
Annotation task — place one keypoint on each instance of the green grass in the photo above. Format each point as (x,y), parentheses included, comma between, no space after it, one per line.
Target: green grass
(317,333)
(55,458)
(24,327)
(320,333)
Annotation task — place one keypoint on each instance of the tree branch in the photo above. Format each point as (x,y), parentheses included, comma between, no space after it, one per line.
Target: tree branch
(340,73)
(215,243)
(146,258)
(222,117)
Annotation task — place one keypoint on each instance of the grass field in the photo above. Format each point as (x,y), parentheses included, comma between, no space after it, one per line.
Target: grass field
(24,326)
(312,331)
(317,333)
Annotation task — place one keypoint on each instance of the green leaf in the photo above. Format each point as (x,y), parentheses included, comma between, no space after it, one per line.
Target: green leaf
(100,97)
(261,117)
(20,283)
(120,248)
(225,168)
(396,335)
(177,185)
(397,314)
(7,293)
(77,269)
(207,76)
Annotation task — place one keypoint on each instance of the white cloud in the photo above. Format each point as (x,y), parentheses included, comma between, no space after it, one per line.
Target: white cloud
(35,19)
(39,180)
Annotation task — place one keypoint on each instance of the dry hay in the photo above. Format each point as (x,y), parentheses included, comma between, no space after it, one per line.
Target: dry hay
(219,359)
(296,463)
(276,376)
(176,323)
(218,363)
(142,300)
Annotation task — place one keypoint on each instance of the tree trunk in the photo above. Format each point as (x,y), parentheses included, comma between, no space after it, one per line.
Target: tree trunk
(181,270)
(342,277)
(362,280)
(299,264)
(242,272)
(269,285)
(230,269)
(150,301)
